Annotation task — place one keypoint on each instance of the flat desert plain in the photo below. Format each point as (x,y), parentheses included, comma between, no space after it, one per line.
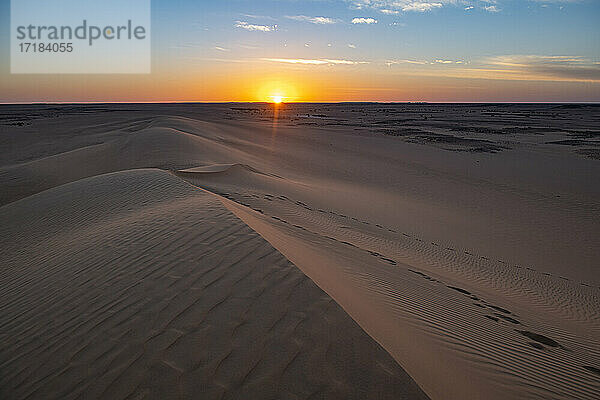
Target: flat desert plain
(300,251)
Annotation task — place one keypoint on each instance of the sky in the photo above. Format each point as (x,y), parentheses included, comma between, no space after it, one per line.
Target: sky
(346,50)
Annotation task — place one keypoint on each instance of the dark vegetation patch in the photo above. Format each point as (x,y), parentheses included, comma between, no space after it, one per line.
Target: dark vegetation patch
(583,134)
(399,131)
(457,143)
(520,130)
(590,153)
(574,142)
(394,121)
(576,106)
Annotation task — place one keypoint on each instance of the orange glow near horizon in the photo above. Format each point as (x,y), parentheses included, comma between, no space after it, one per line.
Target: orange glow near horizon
(224,82)
(277,91)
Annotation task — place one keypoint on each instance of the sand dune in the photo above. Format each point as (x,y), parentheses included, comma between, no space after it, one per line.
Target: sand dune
(152,144)
(464,243)
(135,284)
(444,334)
(447,315)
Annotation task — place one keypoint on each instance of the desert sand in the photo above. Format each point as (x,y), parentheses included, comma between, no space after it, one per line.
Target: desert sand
(300,251)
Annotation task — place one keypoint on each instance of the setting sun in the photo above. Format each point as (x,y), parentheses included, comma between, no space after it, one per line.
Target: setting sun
(277,90)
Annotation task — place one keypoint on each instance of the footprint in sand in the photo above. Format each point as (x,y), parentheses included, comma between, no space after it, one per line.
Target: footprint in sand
(463,291)
(503,310)
(539,338)
(389,260)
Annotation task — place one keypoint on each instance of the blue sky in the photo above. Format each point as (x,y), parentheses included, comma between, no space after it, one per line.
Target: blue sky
(540,48)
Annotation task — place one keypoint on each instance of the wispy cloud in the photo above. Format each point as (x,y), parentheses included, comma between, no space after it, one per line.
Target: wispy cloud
(509,67)
(394,62)
(318,61)
(493,9)
(312,20)
(255,16)
(253,27)
(421,7)
(363,20)
(396,6)
(424,62)
(559,67)
(220,48)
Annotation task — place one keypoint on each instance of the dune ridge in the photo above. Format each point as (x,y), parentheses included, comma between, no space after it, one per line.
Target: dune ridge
(441,333)
(155,290)
(475,270)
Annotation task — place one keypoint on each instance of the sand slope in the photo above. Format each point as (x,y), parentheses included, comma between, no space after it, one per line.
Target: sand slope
(137,285)
(463,239)
(150,143)
(464,325)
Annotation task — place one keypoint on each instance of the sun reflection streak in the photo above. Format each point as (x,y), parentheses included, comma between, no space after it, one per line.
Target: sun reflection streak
(277,105)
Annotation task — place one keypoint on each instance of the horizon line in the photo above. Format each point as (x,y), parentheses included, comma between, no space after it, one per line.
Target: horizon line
(295,102)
